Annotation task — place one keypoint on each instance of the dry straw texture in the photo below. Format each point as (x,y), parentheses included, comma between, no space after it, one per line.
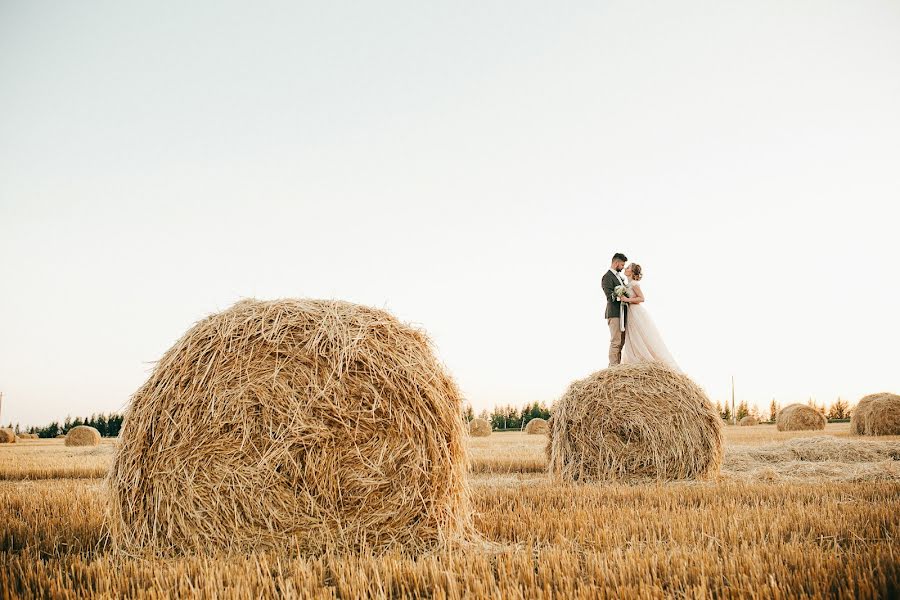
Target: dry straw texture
(748,421)
(632,422)
(305,425)
(799,417)
(883,416)
(858,414)
(7,436)
(536,426)
(82,436)
(479,428)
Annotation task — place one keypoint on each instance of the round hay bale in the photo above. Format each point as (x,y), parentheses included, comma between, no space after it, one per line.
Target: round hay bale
(313,425)
(635,422)
(748,421)
(61,435)
(799,417)
(883,415)
(858,414)
(7,436)
(536,426)
(83,435)
(479,427)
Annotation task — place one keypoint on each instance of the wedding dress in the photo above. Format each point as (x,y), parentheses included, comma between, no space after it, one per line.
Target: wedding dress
(643,343)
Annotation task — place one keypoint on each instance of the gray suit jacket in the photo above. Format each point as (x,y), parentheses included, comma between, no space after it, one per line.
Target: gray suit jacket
(610,282)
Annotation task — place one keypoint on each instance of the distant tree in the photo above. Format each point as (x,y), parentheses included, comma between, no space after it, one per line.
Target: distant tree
(468,413)
(839,410)
(773,410)
(484,414)
(726,414)
(742,410)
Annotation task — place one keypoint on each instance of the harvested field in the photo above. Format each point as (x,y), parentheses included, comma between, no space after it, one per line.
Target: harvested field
(824,525)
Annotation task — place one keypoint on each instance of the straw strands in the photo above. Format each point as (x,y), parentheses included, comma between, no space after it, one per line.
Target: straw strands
(632,422)
(799,417)
(883,416)
(82,435)
(307,425)
(536,426)
(479,427)
(876,414)
(858,414)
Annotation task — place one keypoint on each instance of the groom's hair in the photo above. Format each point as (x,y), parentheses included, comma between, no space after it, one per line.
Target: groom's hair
(620,256)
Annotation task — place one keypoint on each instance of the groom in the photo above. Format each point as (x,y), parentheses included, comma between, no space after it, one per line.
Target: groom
(611,279)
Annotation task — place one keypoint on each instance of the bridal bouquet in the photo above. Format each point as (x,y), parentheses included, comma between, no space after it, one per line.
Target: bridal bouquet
(620,291)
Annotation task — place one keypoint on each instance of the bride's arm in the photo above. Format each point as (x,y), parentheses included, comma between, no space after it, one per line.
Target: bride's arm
(638,295)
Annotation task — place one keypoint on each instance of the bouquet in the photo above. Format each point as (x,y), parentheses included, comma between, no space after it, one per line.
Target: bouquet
(620,291)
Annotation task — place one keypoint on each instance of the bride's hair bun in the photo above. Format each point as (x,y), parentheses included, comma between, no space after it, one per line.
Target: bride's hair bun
(636,272)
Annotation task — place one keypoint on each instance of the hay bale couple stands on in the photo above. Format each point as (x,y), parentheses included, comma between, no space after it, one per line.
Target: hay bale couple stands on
(633,338)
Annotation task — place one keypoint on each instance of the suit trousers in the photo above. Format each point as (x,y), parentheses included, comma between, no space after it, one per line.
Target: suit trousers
(616,341)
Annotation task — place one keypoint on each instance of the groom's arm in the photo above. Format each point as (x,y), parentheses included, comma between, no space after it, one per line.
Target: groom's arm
(609,286)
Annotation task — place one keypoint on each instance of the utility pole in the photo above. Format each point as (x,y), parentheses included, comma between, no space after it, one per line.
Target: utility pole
(733,414)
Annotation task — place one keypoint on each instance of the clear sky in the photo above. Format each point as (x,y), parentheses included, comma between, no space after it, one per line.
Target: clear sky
(469,166)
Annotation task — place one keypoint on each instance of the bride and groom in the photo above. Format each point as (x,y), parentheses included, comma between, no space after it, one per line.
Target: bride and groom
(633,337)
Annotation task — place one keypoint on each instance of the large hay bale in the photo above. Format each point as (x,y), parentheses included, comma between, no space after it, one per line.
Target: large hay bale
(83,435)
(859,412)
(536,426)
(634,422)
(479,427)
(748,421)
(306,425)
(7,436)
(883,416)
(799,417)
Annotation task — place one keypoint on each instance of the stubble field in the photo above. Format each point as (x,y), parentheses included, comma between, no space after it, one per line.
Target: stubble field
(812,514)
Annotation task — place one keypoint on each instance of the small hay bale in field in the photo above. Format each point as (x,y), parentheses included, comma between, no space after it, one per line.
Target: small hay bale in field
(799,417)
(635,422)
(479,428)
(301,425)
(536,426)
(61,436)
(748,421)
(883,416)
(7,436)
(858,414)
(83,435)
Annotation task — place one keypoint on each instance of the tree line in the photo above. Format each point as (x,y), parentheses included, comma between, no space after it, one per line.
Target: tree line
(839,410)
(108,425)
(508,416)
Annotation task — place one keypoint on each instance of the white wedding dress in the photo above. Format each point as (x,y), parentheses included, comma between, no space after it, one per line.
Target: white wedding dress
(643,343)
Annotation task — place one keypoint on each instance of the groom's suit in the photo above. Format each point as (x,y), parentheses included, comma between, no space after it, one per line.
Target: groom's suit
(613,316)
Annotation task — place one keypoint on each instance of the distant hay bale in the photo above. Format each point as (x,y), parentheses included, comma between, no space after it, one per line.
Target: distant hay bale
(61,435)
(7,436)
(536,426)
(883,416)
(799,417)
(27,436)
(479,427)
(635,422)
(301,425)
(747,421)
(82,435)
(858,414)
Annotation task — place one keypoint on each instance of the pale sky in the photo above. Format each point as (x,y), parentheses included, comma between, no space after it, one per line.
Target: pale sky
(469,166)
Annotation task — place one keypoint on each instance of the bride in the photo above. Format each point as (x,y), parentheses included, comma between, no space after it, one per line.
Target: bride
(643,343)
